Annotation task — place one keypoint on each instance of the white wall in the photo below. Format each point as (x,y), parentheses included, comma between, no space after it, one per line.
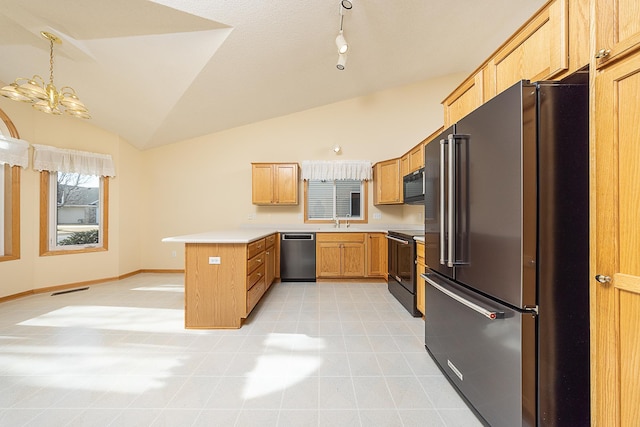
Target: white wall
(204,183)
(32,271)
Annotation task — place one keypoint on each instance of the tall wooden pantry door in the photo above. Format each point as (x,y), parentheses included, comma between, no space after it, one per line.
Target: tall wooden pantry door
(615,243)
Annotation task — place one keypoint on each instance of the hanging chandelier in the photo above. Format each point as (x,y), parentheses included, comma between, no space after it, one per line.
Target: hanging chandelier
(45,97)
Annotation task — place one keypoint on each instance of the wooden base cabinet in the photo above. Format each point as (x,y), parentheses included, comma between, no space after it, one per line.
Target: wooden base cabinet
(219,296)
(377,261)
(340,255)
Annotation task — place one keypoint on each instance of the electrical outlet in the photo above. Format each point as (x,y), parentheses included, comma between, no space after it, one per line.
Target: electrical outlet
(377,215)
(251,216)
(173,254)
(214,260)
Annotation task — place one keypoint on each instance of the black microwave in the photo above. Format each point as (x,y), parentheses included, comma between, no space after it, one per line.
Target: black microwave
(413,187)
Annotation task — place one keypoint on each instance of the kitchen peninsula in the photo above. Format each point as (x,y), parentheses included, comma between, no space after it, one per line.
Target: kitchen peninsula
(226,274)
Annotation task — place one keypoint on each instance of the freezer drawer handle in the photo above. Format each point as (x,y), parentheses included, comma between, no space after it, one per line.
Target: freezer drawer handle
(489,314)
(404,242)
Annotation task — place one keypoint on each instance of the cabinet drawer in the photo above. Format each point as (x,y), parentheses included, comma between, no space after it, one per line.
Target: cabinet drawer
(255,262)
(254,248)
(340,237)
(256,275)
(270,240)
(254,294)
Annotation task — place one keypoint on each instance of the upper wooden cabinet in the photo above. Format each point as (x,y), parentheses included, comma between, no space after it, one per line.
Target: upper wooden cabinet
(539,51)
(387,182)
(404,167)
(551,45)
(274,183)
(466,98)
(416,158)
(617,30)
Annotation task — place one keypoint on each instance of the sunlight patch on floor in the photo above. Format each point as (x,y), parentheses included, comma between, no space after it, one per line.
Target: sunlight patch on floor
(133,319)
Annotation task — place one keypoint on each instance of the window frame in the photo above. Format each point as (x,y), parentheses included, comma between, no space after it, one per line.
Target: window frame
(45,219)
(11,223)
(11,195)
(365,205)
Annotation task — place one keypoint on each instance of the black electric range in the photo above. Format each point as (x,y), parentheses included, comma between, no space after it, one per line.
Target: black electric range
(401,280)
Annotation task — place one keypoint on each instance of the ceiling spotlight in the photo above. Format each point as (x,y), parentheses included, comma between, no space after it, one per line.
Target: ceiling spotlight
(346,4)
(342,61)
(342,44)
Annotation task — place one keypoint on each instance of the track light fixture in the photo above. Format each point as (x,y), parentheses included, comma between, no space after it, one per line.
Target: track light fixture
(341,42)
(46,97)
(342,61)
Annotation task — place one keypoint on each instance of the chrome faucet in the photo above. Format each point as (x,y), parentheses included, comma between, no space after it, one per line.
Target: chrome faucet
(337,220)
(347,224)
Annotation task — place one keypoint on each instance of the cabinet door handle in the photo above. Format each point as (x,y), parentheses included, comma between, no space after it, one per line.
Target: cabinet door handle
(602,53)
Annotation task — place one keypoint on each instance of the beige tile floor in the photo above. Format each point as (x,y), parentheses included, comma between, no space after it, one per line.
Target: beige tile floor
(311,354)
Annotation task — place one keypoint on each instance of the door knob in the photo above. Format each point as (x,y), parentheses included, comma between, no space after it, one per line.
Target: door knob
(603,279)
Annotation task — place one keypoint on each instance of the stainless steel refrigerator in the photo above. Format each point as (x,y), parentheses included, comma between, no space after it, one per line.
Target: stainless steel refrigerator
(507,254)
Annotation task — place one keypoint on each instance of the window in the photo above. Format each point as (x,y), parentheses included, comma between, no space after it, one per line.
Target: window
(13,156)
(74,200)
(341,199)
(76,212)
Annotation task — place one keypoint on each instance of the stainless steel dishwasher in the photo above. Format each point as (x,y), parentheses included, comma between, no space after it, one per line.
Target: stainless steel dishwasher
(298,257)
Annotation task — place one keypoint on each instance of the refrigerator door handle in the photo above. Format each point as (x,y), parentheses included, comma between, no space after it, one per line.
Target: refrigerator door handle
(451,202)
(457,204)
(443,242)
(489,314)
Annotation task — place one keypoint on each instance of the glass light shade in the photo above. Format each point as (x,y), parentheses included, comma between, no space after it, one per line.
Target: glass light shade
(342,44)
(46,108)
(78,113)
(33,89)
(70,101)
(11,92)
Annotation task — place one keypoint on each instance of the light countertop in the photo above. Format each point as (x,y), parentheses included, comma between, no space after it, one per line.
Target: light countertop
(250,234)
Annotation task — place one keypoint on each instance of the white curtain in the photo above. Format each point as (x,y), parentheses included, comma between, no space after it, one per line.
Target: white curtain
(323,170)
(14,151)
(46,158)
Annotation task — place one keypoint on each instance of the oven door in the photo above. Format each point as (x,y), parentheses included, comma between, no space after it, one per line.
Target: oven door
(402,262)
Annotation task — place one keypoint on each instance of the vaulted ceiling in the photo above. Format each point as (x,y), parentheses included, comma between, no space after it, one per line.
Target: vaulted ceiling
(157,72)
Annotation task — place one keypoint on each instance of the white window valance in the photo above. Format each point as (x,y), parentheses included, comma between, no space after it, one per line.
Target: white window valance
(14,151)
(325,170)
(46,158)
